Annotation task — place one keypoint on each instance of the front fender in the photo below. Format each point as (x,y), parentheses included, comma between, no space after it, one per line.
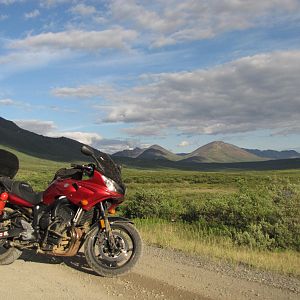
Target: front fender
(113,220)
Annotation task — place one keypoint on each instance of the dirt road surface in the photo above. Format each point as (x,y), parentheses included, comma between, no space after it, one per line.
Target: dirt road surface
(160,274)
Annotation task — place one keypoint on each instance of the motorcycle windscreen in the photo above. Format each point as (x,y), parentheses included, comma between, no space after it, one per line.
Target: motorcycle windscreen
(111,170)
(9,164)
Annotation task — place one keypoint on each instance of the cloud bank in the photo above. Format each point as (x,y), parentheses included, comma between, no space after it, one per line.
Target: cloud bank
(49,128)
(114,38)
(259,92)
(172,21)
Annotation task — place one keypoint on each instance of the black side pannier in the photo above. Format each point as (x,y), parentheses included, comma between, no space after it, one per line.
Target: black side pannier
(9,164)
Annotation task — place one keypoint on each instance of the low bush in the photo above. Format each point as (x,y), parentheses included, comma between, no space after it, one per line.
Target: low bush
(263,218)
(152,203)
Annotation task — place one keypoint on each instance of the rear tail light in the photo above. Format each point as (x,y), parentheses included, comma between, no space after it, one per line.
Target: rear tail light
(3,200)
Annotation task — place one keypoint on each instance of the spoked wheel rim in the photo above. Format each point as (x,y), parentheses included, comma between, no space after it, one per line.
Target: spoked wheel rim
(114,258)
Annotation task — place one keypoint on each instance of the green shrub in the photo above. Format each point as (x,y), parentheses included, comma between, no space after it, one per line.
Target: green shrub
(152,203)
(264,218)
(254,237)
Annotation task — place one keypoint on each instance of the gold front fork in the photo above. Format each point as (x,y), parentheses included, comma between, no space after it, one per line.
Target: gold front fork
(105,226)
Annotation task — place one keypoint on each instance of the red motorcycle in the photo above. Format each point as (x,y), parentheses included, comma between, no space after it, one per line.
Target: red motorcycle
(76,209)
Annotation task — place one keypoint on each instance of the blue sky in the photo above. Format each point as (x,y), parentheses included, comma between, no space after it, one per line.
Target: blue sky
(119,74)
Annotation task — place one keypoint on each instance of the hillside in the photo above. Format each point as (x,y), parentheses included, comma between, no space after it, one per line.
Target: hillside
(129,153)
(58,149)
(218,152)
(221,152)
(153,152)
(280,164)
(273,154)
(158,152)
(215,152)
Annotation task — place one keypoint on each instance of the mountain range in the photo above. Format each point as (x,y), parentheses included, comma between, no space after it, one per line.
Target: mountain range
(65,149)
(215,152)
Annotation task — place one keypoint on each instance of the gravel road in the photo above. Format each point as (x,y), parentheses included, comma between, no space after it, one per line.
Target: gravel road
(160,274)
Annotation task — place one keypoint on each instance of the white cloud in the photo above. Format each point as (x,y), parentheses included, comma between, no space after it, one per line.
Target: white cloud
(115,38)
(83,10)
(17,61)
(51,3)
(39,50)
(115,145)
(174,21)
(145,130)
(17,104)
(37,126)
(7,101)
(184,144)
(84,91)
(49,128)
(3,17)
(168,22)
(88,138)
(260,92)
(9,2)
(33,14)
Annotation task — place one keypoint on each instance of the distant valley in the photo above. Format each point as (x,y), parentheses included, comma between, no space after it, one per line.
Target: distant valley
(213,156)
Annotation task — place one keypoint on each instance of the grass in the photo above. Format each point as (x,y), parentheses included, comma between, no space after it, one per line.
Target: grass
(190,240)
(183,189)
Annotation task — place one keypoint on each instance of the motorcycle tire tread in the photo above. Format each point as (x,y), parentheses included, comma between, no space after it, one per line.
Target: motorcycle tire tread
(10,256)
(104,272)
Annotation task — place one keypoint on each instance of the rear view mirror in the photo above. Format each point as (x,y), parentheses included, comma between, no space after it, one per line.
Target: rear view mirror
(87,151)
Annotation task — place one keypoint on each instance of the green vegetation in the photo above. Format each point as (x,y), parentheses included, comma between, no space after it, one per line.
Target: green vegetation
(248,217)
(264,217)
(245,217)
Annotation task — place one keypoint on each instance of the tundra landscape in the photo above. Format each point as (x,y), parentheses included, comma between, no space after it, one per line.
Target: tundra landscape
(222,235)
(187,109)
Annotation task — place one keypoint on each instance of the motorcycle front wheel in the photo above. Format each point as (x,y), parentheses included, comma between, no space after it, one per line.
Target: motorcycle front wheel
(109,262)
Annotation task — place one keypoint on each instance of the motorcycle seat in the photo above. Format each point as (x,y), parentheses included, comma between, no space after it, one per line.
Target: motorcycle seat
(22,190)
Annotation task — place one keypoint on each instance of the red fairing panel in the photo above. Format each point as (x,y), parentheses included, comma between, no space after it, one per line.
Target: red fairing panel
(93,190)
(18,201)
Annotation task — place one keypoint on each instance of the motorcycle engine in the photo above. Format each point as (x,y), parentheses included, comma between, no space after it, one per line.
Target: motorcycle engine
(57,226)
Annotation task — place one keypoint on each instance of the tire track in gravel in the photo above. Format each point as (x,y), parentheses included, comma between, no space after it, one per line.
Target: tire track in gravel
(160,274)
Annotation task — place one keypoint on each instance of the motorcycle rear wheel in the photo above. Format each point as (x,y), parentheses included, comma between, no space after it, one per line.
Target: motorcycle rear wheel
(8,255)
(109,263)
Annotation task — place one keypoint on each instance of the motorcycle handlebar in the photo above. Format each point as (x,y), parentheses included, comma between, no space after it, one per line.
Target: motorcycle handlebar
(76,166)
(88,168)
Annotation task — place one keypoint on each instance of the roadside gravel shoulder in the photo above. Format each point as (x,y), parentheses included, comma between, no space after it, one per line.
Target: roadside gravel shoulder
(160,274)
(216,280)
(240,271)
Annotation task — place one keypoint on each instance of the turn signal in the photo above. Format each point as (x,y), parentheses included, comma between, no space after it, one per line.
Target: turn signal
(84,202)
(111,211)
(4,196)
(102,224)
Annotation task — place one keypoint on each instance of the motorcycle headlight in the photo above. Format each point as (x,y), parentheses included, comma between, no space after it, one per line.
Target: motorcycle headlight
(112,186)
